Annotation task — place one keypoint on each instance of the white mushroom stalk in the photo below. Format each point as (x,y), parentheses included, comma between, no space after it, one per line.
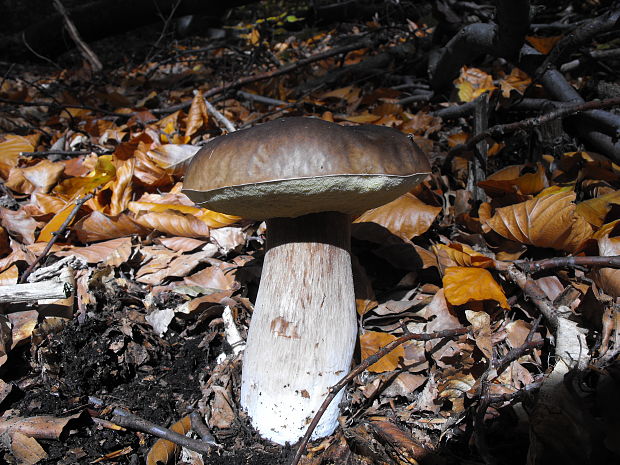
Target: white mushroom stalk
(303,329)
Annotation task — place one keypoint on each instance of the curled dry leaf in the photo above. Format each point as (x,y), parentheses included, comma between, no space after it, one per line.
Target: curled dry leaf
(509,179)
(10,149)
(99,227)
(18,224)
(406,449)
(165,452)
(41,427)
(197,117)
(465,284)
(517,81)
(545,221)
(595,210)
(456,386)
(172,222)
(608,279)
(43,176)
(26,450)
(121,187)
(114,252)
(481,322)
(472,83)
(181,244)
(209,217)
(44,204)
(371,342)
(405,217)
(457,254)
(173,158)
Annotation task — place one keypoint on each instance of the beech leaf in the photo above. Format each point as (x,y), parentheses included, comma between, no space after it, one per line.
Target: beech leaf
(371,342)
(466,284)
(545,221)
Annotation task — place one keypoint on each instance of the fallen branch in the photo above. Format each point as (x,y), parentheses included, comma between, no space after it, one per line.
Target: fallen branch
(220,117)
(335,389)
(128,420)
(567,262)
(56,234)
(84,49)
(501,130)
(32,292)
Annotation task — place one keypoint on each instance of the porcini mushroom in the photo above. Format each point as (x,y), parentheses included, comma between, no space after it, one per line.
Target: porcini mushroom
(305,177)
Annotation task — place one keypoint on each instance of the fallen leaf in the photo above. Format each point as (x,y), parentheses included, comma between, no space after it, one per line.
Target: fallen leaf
(545,221)
(371,342)
(543,44)
(197,117)
(26,450)
(405,217)
(472,83)
(466,284)
(10,149)
(18,224)
(164,451)
(510,179)
(595,210)
(481,322)
(99,227)
(113,253)
(517,81)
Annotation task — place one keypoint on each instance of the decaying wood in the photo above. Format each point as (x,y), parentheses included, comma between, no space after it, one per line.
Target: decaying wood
(31,292)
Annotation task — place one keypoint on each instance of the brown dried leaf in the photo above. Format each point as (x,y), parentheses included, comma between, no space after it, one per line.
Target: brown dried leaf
(472,83)
(179,267)
(371,342)
(174,158)
(164,451)
(608,279)
(543,44)
(457,254)
(26,450)
(23,324)
(517,80)
(9,276)
(113,252)
(44,175)
(545,221)
(465,284)
(173,222)
(510,178)
(181,244)
(217,276)
(595,210)
(10,149)
(99,227)
(18,224)
(481,322)
(41,427)
(198,117)
(405,217)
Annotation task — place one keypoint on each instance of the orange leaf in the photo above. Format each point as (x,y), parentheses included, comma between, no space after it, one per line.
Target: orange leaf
(371,342)
(543,44)
(9,152)
(595,210)
(517,80)
(71,188)
(472,83)
(164,451)
(510,178)
(457,254)
(405,217)
(209,217)
(172,222)
(464,284)
(100,227)
(54,224)
(362,118)
(545,221)
(198,117)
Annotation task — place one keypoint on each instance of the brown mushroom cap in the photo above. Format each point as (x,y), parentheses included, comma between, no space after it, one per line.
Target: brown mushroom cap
(295,166)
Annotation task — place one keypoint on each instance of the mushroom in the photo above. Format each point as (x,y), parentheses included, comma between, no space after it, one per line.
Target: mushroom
(305,177)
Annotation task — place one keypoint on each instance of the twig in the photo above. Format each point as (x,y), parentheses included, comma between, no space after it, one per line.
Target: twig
(198,425)
(612,261)
(260,98)
(591,55)
(485,382)
(86,51)
(535,293)
(220,117)
(56,234)
(503,129)
(56,105)
(270,74)
(582,34)
(55,152)
(335,389)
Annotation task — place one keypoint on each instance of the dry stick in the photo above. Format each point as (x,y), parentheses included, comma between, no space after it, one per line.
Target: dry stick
(333,391)
(612,261)
(24,103)
(55,235)
(270,74)
(56,152)
(87,53)
(220,117)
(128,420)
(503,129)
(499,367)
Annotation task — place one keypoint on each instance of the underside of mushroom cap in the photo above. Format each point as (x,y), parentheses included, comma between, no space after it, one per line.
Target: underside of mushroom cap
(296,166)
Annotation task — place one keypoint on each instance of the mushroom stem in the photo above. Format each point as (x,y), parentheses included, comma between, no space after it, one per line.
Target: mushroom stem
(303,329)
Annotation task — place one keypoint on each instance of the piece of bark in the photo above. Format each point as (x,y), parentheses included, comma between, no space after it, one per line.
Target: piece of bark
(31,292)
